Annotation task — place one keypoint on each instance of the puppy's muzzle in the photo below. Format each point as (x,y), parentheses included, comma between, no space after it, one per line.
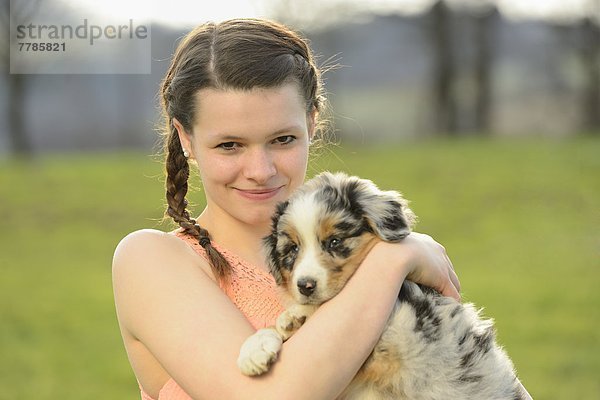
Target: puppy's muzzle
(307,286)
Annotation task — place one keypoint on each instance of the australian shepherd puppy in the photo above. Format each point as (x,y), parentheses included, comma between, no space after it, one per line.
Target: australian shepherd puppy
(433,346)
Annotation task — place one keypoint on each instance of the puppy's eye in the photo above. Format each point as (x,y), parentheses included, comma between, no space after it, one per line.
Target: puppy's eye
(289,255)
(292,248)
(333,243)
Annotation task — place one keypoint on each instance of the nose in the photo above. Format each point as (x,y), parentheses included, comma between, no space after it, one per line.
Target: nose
(259,165)
(307,286)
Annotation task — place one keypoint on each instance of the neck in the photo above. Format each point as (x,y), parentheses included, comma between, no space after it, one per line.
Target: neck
(245,240)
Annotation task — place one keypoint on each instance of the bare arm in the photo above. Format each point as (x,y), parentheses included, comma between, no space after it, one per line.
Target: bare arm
(166,301)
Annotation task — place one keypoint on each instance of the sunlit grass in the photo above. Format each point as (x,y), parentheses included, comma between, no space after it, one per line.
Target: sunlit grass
(519,219)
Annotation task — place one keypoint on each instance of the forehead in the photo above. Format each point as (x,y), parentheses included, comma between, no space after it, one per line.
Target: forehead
(315,213)
(239,112)
(302,216)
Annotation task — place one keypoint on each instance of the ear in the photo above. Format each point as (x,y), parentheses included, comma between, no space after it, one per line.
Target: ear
(270,244)
(185,138)
(386,212)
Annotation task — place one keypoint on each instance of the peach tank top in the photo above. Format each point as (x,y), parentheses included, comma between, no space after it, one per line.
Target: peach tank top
(251,289)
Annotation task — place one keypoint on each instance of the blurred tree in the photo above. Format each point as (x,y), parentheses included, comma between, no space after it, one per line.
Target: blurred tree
(484,50)
(445,112)
(19,139)
(589,48)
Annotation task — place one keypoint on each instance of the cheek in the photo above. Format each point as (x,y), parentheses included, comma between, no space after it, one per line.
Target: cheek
(285,276)
(293,163)
(340,273)
(287,282)
(343,269)
(217,169)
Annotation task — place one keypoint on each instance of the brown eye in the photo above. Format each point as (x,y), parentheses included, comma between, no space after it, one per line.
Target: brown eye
(291,249)
(333,243)
(289,254)
(228,146)
(287,139)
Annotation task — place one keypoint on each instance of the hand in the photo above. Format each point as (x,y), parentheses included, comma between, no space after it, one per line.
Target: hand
(432,267)
(428,264)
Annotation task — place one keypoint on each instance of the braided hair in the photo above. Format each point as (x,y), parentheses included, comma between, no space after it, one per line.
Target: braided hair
(236,54)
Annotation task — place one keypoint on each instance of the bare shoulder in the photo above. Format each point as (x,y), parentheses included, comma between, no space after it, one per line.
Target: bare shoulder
(148,267)
(142,241)
(144,257)
(144,250)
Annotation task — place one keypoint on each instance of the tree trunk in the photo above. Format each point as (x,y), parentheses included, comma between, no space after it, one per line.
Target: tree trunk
(590,56)
(484,46)
(17,131)
(445,112)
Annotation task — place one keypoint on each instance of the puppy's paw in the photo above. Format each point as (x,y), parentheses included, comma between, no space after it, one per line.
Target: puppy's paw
(259,351)
(292,319)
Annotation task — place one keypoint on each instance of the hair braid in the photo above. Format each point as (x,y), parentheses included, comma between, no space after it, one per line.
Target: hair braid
(178,172)
(309,79)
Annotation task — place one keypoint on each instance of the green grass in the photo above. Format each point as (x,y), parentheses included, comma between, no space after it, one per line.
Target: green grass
(519,219)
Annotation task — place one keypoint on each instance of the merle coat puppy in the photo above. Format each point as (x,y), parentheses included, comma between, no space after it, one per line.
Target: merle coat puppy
(433,346)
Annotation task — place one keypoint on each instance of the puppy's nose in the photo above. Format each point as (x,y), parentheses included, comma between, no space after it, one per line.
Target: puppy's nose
(306,286)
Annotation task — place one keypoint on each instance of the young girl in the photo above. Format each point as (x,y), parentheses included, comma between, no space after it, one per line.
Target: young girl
(241,100)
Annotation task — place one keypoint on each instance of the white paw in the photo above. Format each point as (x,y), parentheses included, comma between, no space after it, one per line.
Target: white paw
(259,351)
(293,318)
(289,322)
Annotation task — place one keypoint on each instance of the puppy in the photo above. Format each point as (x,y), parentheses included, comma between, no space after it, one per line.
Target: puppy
(433,347)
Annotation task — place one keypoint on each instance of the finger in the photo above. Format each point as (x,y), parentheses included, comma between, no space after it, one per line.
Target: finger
(449,261)
(452,273)
(450,291)
(454,279)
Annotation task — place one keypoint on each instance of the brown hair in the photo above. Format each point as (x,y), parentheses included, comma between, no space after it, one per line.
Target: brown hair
(237,54)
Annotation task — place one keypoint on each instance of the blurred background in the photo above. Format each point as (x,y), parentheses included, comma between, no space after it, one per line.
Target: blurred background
(485,113)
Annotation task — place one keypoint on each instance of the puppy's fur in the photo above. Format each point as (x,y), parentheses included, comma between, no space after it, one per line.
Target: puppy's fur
(432,348)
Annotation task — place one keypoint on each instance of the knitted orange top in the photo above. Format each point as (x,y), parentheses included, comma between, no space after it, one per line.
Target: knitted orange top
(251,289)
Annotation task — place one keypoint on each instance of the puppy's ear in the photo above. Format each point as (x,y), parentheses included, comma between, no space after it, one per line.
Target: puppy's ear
(270,243)
(386,212)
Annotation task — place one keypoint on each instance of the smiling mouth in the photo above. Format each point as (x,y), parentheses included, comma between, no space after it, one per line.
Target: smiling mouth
(259,194)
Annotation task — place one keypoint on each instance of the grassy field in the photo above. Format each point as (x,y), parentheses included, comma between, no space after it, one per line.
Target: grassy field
(520,220)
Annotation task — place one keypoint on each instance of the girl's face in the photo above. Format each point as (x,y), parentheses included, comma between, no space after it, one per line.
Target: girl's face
(251,148)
